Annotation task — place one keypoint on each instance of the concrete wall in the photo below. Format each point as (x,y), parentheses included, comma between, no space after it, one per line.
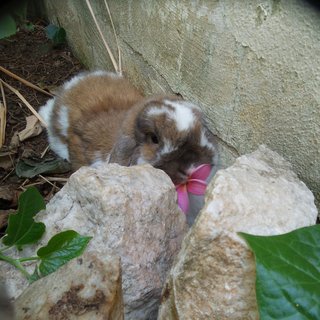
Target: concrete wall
(252,66)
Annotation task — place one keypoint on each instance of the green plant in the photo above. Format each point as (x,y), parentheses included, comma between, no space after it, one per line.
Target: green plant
(8,26)
(23,230)
(12,16)
(56,34)
(288,274)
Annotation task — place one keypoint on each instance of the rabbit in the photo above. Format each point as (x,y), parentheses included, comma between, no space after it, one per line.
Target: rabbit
(100,117)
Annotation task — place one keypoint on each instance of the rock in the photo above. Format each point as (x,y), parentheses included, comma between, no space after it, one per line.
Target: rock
(213,276)
(6,307)
(88,287)
(131,211)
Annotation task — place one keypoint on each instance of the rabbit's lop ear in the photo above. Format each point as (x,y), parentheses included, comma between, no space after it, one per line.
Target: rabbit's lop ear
(125,151)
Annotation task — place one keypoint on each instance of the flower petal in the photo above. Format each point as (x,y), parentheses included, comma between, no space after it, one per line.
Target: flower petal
(202,172)
(196,186)
(183,198)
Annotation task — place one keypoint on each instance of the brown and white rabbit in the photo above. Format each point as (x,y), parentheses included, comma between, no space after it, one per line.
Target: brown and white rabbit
(100,117)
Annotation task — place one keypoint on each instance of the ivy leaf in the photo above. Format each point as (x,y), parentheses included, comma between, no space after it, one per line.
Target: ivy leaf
(35,276)
(8,26)
(288,274)
(28,26)
(60,249)
(56,34)
(22,229)
(29,168)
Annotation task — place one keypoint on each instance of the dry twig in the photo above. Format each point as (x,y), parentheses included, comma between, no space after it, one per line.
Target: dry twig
(24,187)
(51,193)
(48,181)
(7,175)
(44,152)
(22,98)
(3,116)
(24,183)
(24,81)
(2,124)
(57,179)
(115,65)
(115,36)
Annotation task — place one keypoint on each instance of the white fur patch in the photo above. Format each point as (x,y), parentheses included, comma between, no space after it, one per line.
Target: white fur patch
(167,147)
(181,114)
(63,119)
(156,111)
(74,81)
(58,146)
(97,161)
(141,160)
(204,142)
(99,73)
(46,111)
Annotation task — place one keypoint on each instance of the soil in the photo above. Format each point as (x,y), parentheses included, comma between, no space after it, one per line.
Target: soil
(31,56)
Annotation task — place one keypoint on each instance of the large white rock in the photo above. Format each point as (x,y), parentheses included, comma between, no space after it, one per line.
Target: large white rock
(131,211)
(214,274)
(86,288)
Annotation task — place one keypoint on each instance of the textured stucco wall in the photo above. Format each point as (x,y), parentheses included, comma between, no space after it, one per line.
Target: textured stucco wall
(253,66)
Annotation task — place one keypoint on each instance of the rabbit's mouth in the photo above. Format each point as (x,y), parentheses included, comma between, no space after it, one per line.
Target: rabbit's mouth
(177,172)
(180,177)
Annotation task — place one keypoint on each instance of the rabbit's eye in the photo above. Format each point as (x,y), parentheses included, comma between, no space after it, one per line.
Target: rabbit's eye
(152,138)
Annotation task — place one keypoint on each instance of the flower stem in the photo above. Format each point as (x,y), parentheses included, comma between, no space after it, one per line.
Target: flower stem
(28,259)
(16,263)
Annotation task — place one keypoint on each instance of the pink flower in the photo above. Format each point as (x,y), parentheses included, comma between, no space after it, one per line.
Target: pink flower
(196,184)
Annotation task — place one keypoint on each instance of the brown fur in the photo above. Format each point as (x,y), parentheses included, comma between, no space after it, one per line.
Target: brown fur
(189,152)
(97,107)
(108,116)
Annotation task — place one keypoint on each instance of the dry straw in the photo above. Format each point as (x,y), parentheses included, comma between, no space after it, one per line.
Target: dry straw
(25,82)
(3,116)
(117,66)
(23,99)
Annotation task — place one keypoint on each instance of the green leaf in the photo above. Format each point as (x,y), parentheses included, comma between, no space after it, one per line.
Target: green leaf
(22,229)
(51,30)
(28,26)
(8,26)
(56,34)
(29,168)
(35,276)
(288,274)
(60,37)
(60,249)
